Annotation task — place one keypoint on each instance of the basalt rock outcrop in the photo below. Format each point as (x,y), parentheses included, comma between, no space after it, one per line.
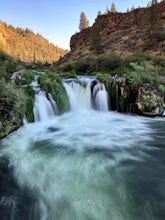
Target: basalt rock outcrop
(142,99)
(149,100)
(123,33)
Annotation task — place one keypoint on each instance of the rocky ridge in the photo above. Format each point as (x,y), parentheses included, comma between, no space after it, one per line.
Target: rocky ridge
(122,33)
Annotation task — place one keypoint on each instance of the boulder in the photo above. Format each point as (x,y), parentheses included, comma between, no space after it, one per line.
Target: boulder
(149,100)
(15,75)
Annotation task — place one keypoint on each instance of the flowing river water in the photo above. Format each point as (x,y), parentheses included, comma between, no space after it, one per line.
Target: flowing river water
(84,165)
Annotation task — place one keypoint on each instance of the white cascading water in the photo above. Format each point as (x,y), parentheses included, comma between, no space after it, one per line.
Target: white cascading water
(82,96)
(44,108)
(100,97)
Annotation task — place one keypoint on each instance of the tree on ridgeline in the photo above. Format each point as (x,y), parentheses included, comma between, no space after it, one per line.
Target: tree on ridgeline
(99,13)
(84,23)
(113,8)
(132,8)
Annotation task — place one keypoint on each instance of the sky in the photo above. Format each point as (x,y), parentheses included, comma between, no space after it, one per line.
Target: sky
(58,20)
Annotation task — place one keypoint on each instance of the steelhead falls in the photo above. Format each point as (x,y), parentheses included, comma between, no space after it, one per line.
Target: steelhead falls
(90,163)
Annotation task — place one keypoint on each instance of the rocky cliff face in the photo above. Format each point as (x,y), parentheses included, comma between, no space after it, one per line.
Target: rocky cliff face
(143,99)
(123,33)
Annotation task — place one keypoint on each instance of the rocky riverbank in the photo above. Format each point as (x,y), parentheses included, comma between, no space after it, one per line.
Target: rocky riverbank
(143,99)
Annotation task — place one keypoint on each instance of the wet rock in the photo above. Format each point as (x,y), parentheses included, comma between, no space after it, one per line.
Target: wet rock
(142,99)
(150,100)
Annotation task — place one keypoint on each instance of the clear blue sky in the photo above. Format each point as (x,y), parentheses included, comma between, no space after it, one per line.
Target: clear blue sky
(57,20)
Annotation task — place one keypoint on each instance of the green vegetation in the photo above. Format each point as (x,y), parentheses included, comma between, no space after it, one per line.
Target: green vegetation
(141,68)
(7,66)
(147,72)
(52,83)
(30,103)
(103,63)
(12,107)
(16,101)
(27,77)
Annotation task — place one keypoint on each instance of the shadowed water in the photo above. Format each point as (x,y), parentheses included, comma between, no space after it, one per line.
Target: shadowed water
(84,166)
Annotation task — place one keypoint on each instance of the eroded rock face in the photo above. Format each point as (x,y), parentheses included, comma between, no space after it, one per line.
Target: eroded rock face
(122,95)
(141,99)
(150,100)
(122,33)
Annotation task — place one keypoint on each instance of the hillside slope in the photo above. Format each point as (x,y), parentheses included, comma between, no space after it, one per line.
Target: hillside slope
(26,46)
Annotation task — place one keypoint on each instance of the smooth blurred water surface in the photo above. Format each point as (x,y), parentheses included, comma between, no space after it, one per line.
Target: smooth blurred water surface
(88,165)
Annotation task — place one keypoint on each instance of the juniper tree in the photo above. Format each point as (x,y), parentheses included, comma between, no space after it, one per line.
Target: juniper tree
(99,12)
(113,8)
(84,23)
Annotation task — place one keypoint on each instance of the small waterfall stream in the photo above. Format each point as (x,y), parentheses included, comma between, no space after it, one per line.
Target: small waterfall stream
(45,107)
(86,93)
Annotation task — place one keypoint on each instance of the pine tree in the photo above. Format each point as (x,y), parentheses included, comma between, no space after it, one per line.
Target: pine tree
(113,8)
(84,23)
(133,8)
(99,13)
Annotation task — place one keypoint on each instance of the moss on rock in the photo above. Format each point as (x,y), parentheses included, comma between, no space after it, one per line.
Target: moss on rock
(30,103)
(52,83)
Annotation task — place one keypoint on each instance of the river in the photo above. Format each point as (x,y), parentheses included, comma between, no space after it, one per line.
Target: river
(84,165)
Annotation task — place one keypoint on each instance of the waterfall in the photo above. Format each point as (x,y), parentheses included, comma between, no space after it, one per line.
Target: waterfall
(44,106)
(100,97)
(86,93)
(79,95)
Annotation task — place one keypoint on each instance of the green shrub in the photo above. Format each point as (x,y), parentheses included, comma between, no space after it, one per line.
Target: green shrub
(145,72)
(137,57)
(108,62)
(71,74)
(92,63)
(67,68)
(102,77)
(12,107)
(81,67)
(27,77)
(158,60)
